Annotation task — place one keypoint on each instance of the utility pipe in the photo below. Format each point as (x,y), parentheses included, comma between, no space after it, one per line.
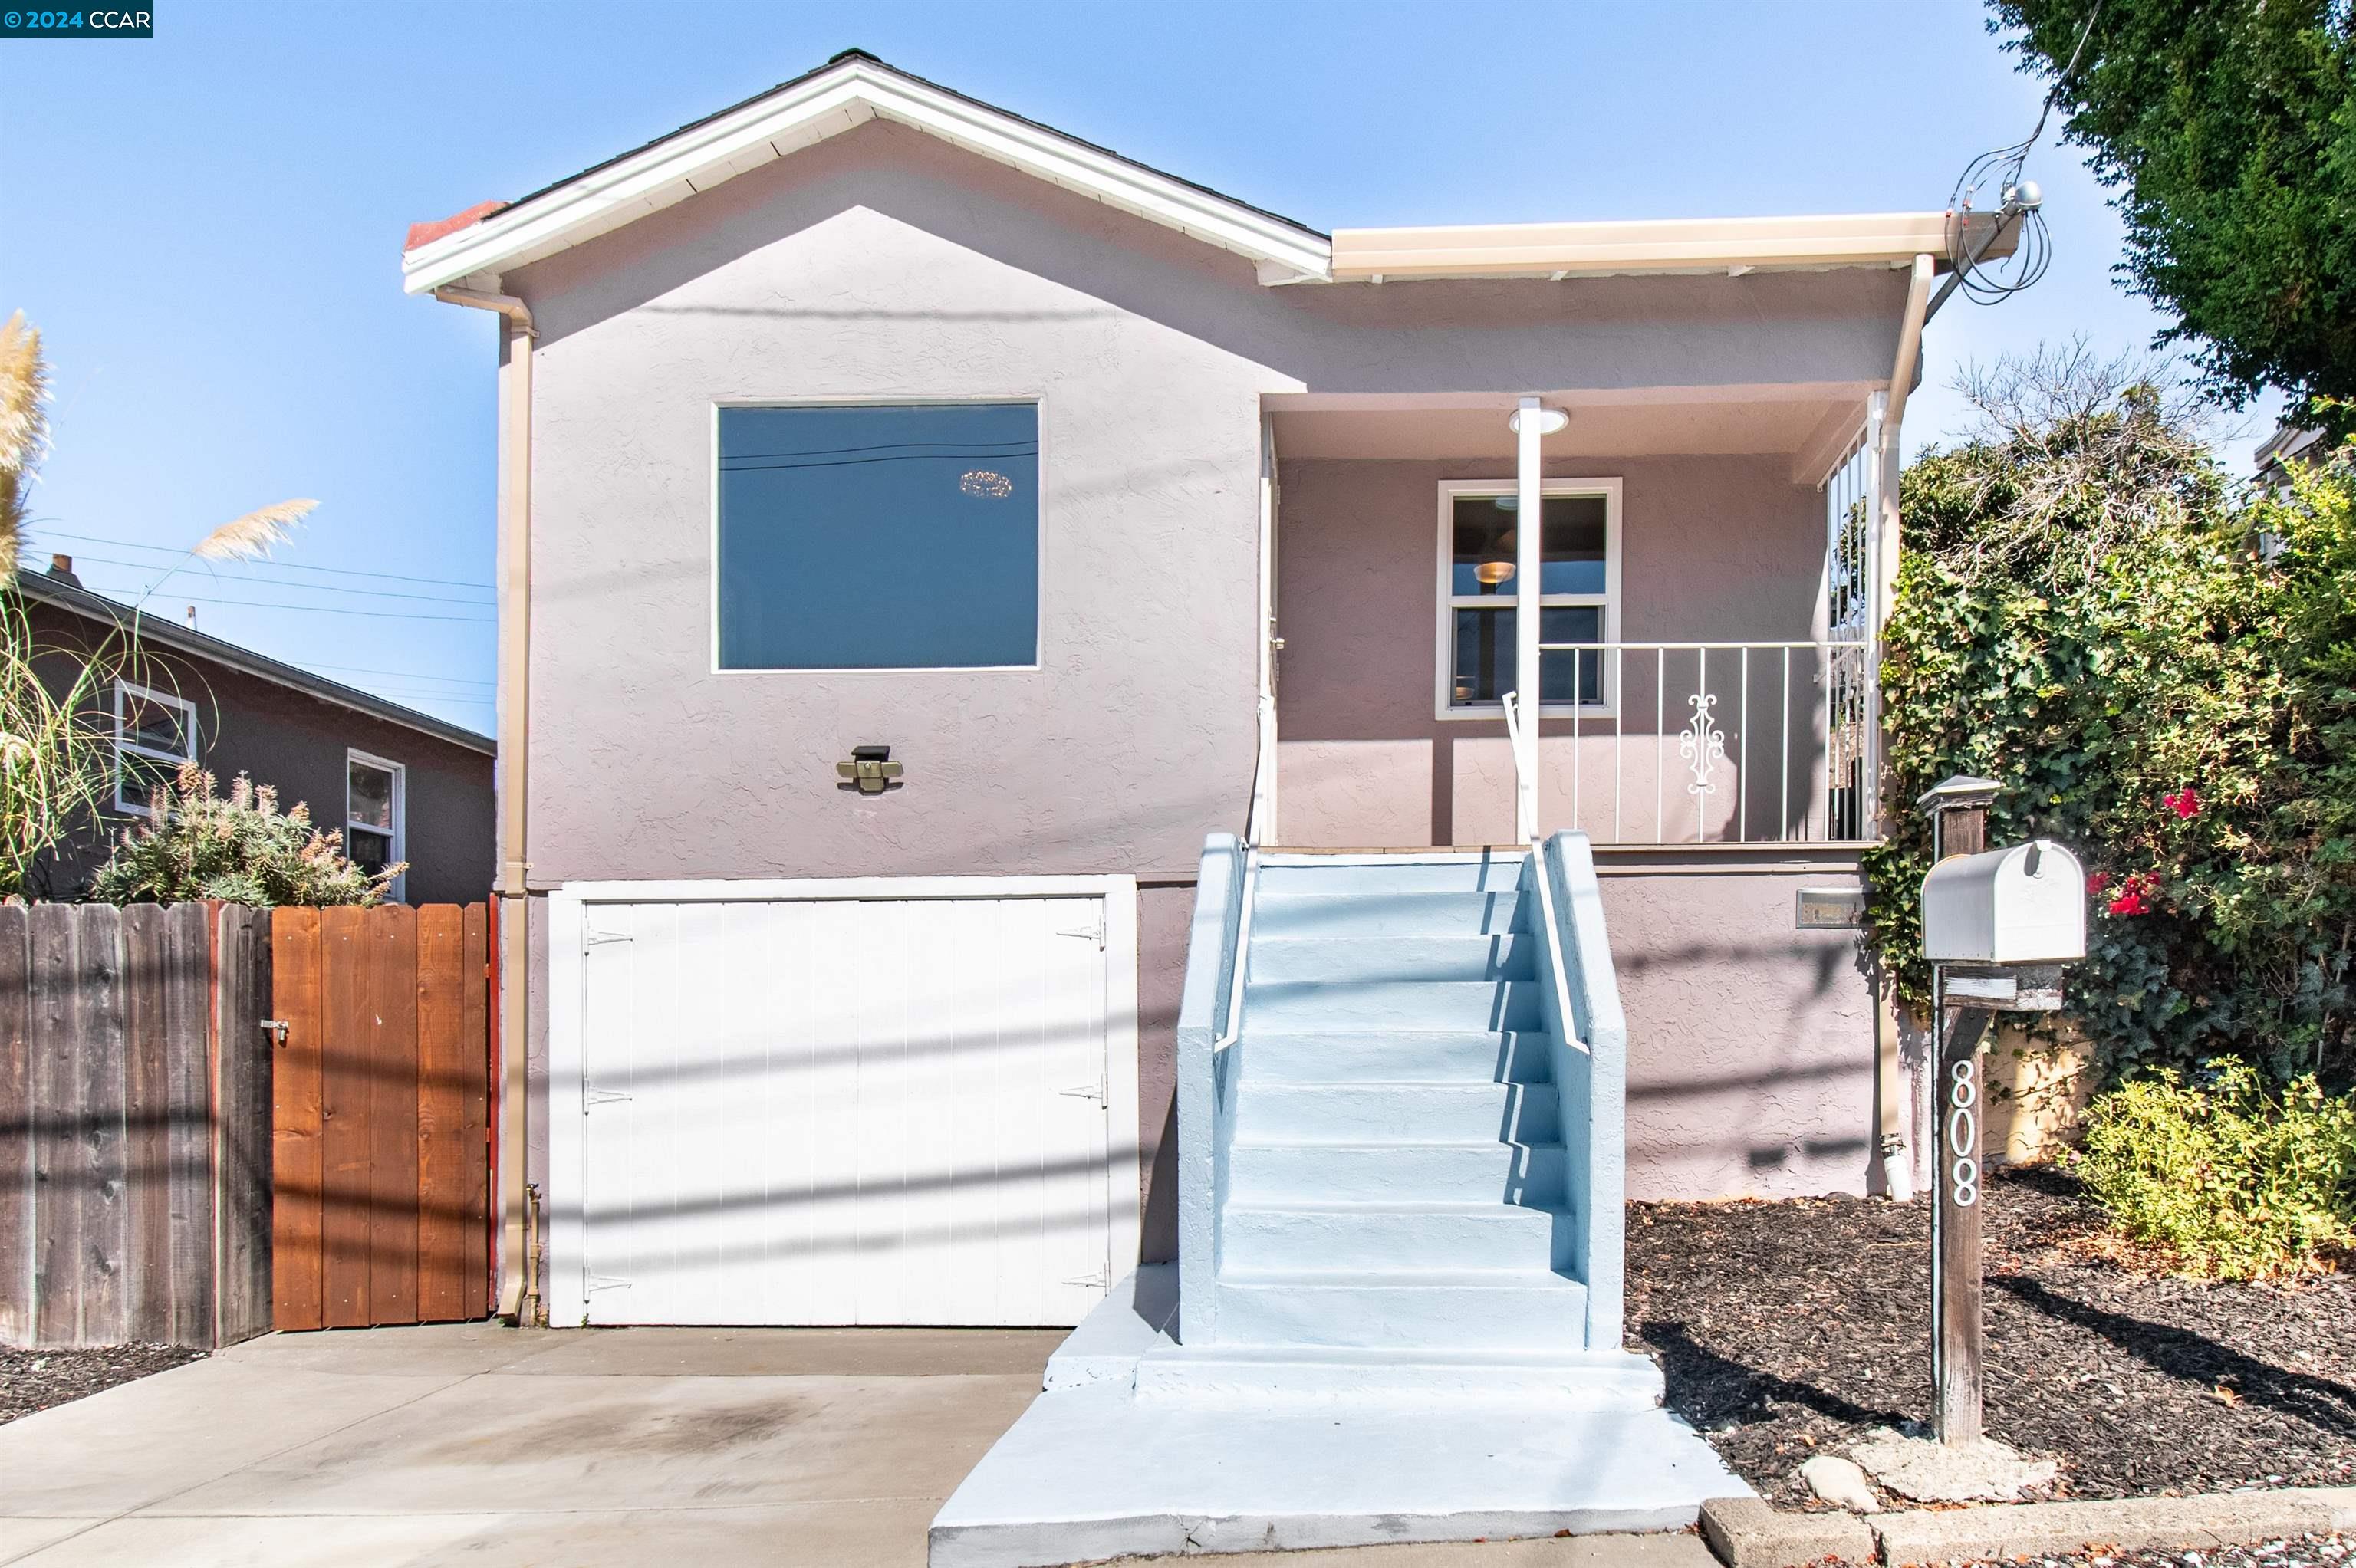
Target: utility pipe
(1890,1080)
(515,864)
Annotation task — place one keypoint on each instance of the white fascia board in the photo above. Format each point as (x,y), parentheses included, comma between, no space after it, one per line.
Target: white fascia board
(797,117)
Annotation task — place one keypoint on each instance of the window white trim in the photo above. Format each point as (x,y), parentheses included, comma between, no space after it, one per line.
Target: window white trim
(1446,601)
(400,771)
(1038,402)
(188,709)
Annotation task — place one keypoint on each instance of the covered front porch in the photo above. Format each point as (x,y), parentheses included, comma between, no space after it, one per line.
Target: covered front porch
(1701,601)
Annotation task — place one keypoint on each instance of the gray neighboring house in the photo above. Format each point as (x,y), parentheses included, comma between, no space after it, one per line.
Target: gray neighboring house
(397,783)
(862,416)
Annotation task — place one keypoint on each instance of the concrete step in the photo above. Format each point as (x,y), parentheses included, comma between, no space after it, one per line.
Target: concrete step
(1506,955)
(1324,876)
(1486,1171)
(1280,915)
(1396,1056)
(1396,1113)
(1472,1309)
(1607,1379)
(1391,1235)
(1316,1007)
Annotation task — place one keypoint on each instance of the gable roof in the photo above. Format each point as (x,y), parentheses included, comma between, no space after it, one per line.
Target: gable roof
(848,91)
(855,87)
(164,632)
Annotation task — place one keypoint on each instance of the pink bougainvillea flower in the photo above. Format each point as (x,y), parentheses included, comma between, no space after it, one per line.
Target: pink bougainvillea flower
(2129,902)
(2184,803)
(2099,882)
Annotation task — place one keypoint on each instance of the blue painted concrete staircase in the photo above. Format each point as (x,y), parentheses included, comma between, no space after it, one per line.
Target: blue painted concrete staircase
(1398,1305)
(1392,1186)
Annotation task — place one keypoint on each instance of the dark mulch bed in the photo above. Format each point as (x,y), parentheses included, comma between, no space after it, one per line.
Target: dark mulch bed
(1792,1328)
(2305,1552)
(36,1380)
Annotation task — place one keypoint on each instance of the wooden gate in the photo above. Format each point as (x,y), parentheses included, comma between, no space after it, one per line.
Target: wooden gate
(135,1124)
(382,1127)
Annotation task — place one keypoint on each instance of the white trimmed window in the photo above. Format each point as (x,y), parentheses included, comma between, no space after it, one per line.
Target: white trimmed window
(1579,592)
(375,804)
(155,733)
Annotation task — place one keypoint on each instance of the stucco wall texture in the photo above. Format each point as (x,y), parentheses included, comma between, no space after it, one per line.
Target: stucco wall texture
(881,264)
(1750,1044)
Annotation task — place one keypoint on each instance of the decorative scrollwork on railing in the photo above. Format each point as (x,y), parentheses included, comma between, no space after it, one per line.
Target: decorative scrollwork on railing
(1702,744)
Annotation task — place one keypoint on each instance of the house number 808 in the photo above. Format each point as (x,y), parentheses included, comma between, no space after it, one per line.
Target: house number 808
(1962,1132)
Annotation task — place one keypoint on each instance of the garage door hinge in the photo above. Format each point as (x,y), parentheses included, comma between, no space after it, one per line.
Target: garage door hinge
(1095,1091)
(1098,1280)
(1093,932)
(591,938)
(599,1097)
(597,1282)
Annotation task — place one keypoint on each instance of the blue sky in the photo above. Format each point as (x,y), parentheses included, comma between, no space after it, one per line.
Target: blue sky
(207,227)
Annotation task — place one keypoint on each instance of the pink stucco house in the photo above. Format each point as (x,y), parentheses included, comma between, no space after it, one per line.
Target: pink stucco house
(861,415)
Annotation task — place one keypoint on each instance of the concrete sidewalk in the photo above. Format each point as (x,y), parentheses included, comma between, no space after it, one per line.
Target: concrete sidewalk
(470,1443)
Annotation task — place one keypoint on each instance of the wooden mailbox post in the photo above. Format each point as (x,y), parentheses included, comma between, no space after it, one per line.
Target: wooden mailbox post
(1997,925)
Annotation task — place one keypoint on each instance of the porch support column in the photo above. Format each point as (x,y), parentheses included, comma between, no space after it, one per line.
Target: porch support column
(1529,559)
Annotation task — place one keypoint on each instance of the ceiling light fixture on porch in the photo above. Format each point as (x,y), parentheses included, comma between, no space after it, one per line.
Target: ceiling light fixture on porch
(1549,421)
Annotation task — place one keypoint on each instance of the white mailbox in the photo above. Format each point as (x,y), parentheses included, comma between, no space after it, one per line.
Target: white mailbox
(2022,905)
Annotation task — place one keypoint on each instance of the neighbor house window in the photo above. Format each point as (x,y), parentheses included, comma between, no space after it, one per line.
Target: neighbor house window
(879,536)
(1480,544)
(373,809)
(155,733)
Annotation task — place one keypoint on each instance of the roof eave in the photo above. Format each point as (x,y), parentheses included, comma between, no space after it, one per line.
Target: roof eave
(200,644)
(825,104)
(1814,243)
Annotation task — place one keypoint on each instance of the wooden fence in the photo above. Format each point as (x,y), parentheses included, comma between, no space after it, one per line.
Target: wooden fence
(135,1124)
(382,1116)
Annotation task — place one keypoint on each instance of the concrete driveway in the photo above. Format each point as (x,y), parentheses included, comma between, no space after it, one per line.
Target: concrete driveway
(473,1444)
(477,1444)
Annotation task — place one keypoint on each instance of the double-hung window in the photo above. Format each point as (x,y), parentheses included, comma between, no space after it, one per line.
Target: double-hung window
(866,537)
(154,735)
(374,808)
(1480,552)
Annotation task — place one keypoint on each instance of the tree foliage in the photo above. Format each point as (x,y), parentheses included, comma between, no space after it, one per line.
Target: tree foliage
(2160,676)
(2228,129)
(242,849)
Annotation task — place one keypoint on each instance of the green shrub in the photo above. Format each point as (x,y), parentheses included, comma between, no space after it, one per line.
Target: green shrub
(243,849)
(2231,1180)
(2085,614)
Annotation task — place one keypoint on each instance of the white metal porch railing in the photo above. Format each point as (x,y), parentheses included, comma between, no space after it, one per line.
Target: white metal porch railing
(1699,742)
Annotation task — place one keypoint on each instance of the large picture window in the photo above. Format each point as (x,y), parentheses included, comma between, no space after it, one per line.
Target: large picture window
(1480,544)
(879,536)
(155,733)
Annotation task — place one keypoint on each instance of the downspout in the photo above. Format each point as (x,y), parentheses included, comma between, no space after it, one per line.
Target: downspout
(1890,1088)
(519,1297)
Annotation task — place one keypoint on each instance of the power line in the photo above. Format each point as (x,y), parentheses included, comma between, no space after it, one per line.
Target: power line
(884,446)
(315,609)
(740,465)
(401,674)
(304,587)
(287,565)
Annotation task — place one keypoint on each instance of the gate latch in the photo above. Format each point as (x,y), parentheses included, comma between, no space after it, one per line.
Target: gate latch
(276,1029)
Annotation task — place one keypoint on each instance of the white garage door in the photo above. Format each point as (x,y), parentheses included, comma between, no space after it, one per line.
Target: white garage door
(844,1111)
